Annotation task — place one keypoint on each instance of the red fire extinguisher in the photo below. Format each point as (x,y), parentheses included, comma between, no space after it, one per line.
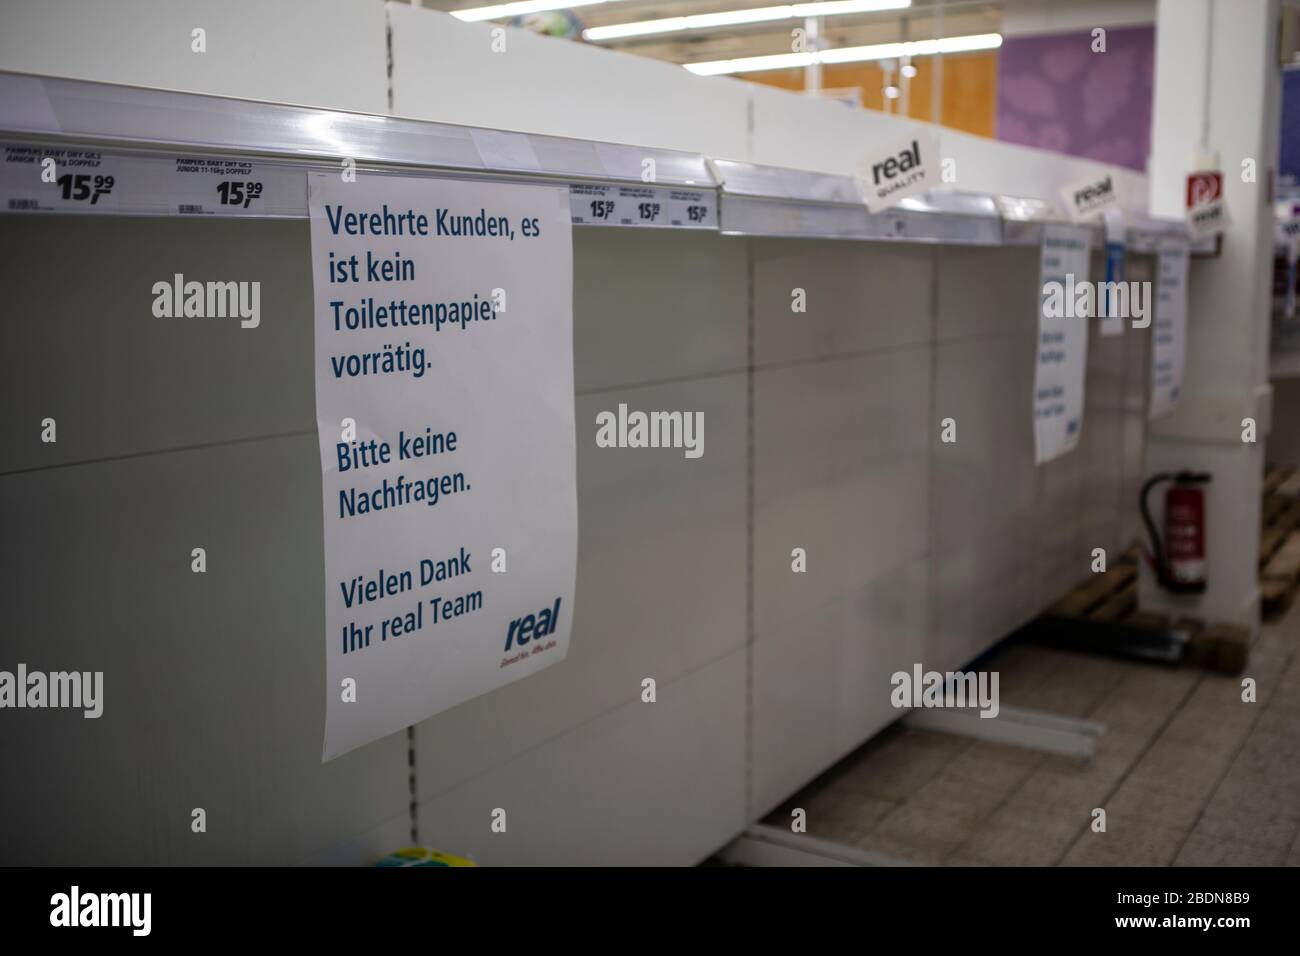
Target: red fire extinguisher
(1179,560)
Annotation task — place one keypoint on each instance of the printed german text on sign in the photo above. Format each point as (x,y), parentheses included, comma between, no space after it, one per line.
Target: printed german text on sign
(1062,345)
(444,404)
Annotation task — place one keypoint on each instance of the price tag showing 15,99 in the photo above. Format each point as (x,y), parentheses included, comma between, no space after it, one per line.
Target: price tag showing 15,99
(202,186)
(40,179)
(693,208)
(592,205)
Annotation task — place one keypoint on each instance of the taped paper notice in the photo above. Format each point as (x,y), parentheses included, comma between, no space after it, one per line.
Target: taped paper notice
(1062,343)
(1169,334)
(444,405)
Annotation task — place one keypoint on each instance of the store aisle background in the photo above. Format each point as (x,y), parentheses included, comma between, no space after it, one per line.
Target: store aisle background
(922,551)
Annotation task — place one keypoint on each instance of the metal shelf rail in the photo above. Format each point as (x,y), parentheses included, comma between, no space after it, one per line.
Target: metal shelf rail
(143,152)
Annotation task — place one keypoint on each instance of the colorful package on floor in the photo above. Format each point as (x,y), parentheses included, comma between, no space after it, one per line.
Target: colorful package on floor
(423,856)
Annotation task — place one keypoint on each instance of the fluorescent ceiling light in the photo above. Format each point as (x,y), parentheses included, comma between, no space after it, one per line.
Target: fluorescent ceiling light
(520,8)
(849,54)
(728,18)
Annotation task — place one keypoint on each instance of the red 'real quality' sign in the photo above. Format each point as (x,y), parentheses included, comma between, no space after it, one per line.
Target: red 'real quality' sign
(1203,187)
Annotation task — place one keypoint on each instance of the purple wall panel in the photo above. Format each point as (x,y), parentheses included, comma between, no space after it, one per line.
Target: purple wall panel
(1055,93)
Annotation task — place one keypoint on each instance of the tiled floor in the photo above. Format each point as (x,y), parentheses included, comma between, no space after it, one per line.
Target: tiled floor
(1187,773)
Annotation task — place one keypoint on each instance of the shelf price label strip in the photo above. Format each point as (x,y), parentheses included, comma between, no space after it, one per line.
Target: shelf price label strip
(38,178)
(46,178)
(49,179)
(649,205)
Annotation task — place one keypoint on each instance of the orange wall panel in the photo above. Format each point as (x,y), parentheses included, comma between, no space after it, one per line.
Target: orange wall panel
(970,84)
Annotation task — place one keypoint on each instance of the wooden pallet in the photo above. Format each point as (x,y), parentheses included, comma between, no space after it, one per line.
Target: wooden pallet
(1289,486)
(1101,614)
(1104,596)
(1275,475)
(1279,579)
(1279,539)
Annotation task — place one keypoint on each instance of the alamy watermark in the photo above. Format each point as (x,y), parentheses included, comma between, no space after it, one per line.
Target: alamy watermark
(977,689)
(75,908)
(1111,300)
(75,690)
(633,429)
(179,299)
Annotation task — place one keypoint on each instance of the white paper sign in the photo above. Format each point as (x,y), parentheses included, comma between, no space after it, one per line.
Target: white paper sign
(1208,219)
(896,171)
(444,330)
(1168,351)
(1287,232)
(1062,343)
(1287,235)
(1089,198)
